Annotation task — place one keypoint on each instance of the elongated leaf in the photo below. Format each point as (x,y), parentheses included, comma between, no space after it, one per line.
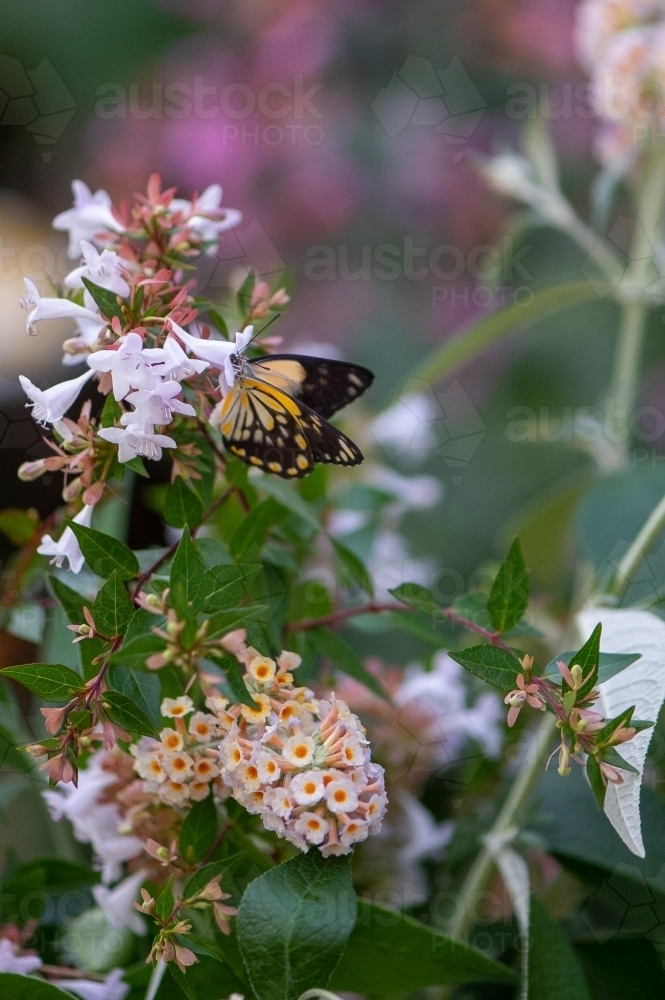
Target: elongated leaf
(207,873)
(51,681)
(112,609)
(186,578)
(231,668)
(104,554)
(107,301)
(510,591)
(182,507)
(72,604)
(135,652)
(141,687)
(288,496)
(293,924)
(164,902)
(610,664)
(389,952)
(417,597)
(588,658)
(199,830)
(554,970)
(354,567)
(643,685)
(252,531)
(15,987)
(345,658)
(223,586)
(142,623)
(245,293)
(491,663)
(472,341)
(121,709)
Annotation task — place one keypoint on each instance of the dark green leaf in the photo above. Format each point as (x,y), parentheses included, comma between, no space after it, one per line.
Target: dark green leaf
(510,591)
(245,293)
(141,687)
(198,832)
(219,322)
(181,507)
(142,623)
(252,531)
(108,302)
(389,952)
(111,411)
(137,466)
(231,668)
(135,652)
(51,681)
(417,597)
(165,902)
(610,664)
(186,577)
(491,663)
(554,970)
(598,786)
(104,554)
(223,586)
(354,567)
(589,659)
(345,658)
(293,924)
(125,713)
(184,982)
(15,987)
(613,757)
(112,608)
(207,873)
(620,968)
(286,494)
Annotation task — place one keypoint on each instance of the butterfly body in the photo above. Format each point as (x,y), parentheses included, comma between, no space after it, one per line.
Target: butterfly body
(274,417)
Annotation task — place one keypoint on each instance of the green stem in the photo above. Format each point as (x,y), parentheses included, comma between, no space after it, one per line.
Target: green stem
(632,322)
(647,536)
(480,872)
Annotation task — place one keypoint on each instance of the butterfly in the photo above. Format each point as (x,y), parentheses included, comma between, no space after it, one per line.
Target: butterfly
(275,416)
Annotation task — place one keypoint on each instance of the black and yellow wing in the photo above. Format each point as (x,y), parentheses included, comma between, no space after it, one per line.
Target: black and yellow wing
(267,428)
(321,384)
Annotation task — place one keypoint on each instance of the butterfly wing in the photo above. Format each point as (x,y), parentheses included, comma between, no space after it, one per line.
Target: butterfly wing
(267,428)
(321,384)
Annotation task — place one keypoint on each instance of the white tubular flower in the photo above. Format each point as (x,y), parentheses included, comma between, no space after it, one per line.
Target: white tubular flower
(312,827)
(218,353)
(116,903)
(156,406)
(88,334)
(308,788)
(90,216)
(512,176)
(130,365)
(205,216)
(177,364)
(177,708)
(22,965)
(113,988)
(49,307)
(50,405)
(67,546)
(341,796)
(137,441)
(104,269)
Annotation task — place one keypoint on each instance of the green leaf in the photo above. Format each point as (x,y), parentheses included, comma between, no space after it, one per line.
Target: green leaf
(417,597)
(121,709)
(141,624)
(186,577)
(611,756)
(136,465)
(111,411)
(457,350)
(51,681)
(112,609)
(252,531)
(207,873)
(15,987)
(293,924)
(224,585)
(414,625)
(598,786)
(182,507)
(554,970)
(491,663)
(72,604)
(231,668)
(389,952)
(107,301)
(354,567)
(104,554)
(141,687)
(18,525)
(345,658)
(165,902)
(135,652)
(509,596)
(219,322)
(198,832)
(589,659)
(245,293)
(610,664)
(286,494)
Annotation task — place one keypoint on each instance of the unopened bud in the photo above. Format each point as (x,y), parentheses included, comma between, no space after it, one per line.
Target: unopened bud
(30,471)
(72,490)
(163,854)
(172,628)
(153,601)
(576,672)
(564,761)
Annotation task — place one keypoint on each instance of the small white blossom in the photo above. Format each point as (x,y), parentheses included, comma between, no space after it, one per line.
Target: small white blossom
(218,353)
(205,216)
(50,405)
(105,269)
(137,441)
(49,307)
(67,546)
(130,365)
(116,903)
(113,988)
(156,406)
(90,216)
(10,961)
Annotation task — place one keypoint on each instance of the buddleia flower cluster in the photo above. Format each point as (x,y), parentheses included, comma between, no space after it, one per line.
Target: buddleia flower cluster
(302,764)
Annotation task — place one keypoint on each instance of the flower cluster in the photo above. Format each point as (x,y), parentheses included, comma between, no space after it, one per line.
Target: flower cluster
(135,317)
(621,44)
(301,763)
(182,765)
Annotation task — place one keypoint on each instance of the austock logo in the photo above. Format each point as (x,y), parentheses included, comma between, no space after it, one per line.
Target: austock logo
(446,100)
(37,99)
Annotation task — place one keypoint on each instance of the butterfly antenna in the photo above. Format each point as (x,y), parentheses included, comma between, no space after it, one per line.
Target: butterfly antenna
(264,328)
